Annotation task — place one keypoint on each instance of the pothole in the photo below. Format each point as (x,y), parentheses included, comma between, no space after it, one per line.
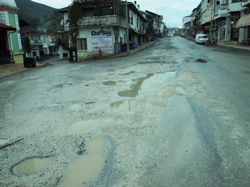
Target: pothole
(149,84)
(3,141)
(31,166)
(75,107)
(109,83)
(90,103)
(201,60)
(82,126)
(123,105)
(87,168)
(131,72)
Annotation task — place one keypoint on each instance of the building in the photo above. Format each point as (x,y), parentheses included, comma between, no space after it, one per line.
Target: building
(224,20)
(101,29)
(42,43)
(10,31)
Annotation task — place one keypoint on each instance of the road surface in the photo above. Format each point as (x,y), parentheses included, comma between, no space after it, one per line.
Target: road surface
(174,114)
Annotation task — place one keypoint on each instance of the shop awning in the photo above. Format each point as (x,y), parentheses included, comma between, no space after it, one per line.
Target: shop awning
(243,21)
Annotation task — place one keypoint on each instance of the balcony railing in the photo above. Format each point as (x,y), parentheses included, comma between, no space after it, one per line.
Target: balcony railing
(109,20)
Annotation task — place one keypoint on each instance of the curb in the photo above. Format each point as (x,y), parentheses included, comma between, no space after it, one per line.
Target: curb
(21,70)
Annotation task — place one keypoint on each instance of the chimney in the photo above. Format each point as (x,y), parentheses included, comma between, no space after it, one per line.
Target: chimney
(135,2)
(139,7)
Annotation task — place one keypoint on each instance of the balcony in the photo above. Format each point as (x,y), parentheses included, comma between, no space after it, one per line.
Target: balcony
(109,20)
(221,11)
(245,2)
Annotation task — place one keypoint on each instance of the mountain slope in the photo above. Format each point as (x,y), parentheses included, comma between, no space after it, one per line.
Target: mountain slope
(39,15)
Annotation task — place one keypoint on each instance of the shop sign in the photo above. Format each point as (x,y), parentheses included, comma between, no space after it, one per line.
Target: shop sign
(102,40)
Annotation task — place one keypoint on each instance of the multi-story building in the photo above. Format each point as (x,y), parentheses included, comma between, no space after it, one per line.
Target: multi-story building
(101,29)
(225,20)
(244,22)
(10,36)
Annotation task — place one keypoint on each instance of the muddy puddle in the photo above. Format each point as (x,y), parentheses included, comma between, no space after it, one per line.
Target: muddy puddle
(75,107)
(131,72)
(31,166)
(123,105)
(3,141)
(148,84)
(82,126)
(109,83)
(201,60)
(90,103)
(86,168)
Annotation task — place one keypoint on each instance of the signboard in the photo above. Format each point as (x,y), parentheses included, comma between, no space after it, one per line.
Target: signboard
(102,40)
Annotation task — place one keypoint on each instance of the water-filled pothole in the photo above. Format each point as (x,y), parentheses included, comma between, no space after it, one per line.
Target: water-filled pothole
(201,60)
(30,166)
(75,107)
(127,73)
(3,141)
(123,105)
(82,126)
(148,84)
(90,103)
(87,168)
(109,83)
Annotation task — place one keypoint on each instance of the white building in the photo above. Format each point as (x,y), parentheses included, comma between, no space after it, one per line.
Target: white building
(104,34)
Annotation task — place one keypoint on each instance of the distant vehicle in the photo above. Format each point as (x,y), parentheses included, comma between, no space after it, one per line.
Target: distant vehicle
(182,34)
(201,38)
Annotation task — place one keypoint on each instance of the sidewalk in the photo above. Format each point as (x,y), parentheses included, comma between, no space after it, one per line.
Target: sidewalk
(228,44)
(233,45)
(11,69)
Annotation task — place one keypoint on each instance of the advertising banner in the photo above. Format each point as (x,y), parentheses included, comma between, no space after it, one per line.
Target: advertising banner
(102,40)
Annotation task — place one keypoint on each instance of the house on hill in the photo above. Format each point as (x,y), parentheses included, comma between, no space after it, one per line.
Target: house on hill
(10,44)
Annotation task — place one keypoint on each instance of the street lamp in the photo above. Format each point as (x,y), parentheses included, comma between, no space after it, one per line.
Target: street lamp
(127,27)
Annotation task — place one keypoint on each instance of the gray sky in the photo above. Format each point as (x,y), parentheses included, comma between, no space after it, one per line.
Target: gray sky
(172,10)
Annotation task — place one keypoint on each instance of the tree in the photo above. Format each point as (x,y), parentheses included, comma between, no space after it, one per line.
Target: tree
(27,46)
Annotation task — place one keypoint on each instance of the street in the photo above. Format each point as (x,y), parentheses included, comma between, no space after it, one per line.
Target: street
(173,114)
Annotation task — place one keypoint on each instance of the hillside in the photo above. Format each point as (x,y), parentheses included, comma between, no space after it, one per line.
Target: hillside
(38,15)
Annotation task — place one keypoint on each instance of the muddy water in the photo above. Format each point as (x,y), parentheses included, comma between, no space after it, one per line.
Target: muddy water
(75,107)
(109,83)
(31,166)
(123,105)
(148,84)
(3,141)
(87,168)
(131,72)
(82,126)
(135,88)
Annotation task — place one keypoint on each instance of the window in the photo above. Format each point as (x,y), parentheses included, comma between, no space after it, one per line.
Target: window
(82,44)
(131,19)
(236,1)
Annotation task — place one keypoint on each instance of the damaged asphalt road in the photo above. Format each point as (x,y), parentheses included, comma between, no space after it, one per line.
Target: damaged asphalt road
(174,114)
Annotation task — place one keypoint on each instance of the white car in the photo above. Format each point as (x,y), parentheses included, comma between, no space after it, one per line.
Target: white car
(201,38)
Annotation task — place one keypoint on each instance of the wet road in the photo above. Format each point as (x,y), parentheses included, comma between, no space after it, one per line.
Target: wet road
(156,118)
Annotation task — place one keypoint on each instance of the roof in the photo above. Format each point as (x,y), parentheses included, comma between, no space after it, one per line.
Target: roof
(152,13)
(9,3)
(6,27)
(23,23)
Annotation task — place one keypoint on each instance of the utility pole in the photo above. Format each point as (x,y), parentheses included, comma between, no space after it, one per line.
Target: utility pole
(127,27)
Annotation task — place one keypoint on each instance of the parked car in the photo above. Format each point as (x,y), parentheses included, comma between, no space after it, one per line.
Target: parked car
(201,38)
(182,34)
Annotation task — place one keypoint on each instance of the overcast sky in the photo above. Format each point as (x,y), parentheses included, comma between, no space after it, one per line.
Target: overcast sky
(172,10)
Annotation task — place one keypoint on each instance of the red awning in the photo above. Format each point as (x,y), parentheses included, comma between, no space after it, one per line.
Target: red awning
(6,27)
